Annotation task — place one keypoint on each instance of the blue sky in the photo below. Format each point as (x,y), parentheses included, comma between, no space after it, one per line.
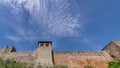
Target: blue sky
(69,24)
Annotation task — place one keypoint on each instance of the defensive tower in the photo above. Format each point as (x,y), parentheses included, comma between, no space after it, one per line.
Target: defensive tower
(113,49)
(45,53)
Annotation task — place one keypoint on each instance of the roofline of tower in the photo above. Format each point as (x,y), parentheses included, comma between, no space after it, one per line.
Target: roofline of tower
(44,41)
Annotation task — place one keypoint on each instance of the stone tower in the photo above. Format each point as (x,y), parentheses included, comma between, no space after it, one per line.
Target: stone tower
(45,53)
(113,49)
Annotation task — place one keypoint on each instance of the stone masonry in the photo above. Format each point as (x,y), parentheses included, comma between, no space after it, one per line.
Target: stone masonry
(45,56)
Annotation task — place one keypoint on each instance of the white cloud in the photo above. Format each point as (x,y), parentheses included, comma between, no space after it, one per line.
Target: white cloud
(48,18)
(13,38)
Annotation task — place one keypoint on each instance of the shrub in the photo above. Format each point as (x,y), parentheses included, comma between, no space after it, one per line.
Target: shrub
(114,64)
(59,66)
(88,66)
(9,63)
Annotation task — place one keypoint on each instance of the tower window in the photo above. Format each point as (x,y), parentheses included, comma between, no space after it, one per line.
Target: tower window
(47,44)
(41,44)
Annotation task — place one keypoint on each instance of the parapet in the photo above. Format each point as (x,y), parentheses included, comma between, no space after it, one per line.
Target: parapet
(81,53)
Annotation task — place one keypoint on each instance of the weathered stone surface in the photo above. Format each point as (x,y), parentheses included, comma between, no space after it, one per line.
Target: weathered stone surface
(6,49)
(44,53)
(113,49)
(40,56)
(81,59)
(44,56)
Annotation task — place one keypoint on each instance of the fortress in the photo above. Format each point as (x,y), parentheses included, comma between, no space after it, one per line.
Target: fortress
(45,56)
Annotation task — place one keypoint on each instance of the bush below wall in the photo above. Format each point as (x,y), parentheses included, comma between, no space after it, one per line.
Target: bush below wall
(114,64)
(88,66)
(12,64)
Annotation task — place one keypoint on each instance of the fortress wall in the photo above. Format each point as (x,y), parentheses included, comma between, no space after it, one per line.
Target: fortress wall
(44,56)
(25,57)
(113,50)
(80,59)
(107,56)
(2,55)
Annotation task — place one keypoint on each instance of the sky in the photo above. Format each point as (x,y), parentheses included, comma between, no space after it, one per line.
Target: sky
(69,24)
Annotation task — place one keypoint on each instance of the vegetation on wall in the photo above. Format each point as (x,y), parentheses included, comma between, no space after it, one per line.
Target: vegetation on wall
(54,66)
(9,63)
(12,64)
(114,64)
(59,66)
(88,66)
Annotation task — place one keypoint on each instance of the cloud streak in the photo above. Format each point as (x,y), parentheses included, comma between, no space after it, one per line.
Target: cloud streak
(44,19)
(13,38)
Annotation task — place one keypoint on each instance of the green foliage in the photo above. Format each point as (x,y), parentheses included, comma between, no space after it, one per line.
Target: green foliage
(12,64)
(114,64)
(59,66)
(54,66)
(88,66)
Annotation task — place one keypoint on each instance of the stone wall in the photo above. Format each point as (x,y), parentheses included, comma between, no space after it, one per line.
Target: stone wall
(113,50)
(80,59)
(25,57)
(44,56)
(6,49)
(40,56)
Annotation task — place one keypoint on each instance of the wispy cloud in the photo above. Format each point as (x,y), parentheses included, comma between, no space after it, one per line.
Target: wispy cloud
(13,38)
(47,19)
